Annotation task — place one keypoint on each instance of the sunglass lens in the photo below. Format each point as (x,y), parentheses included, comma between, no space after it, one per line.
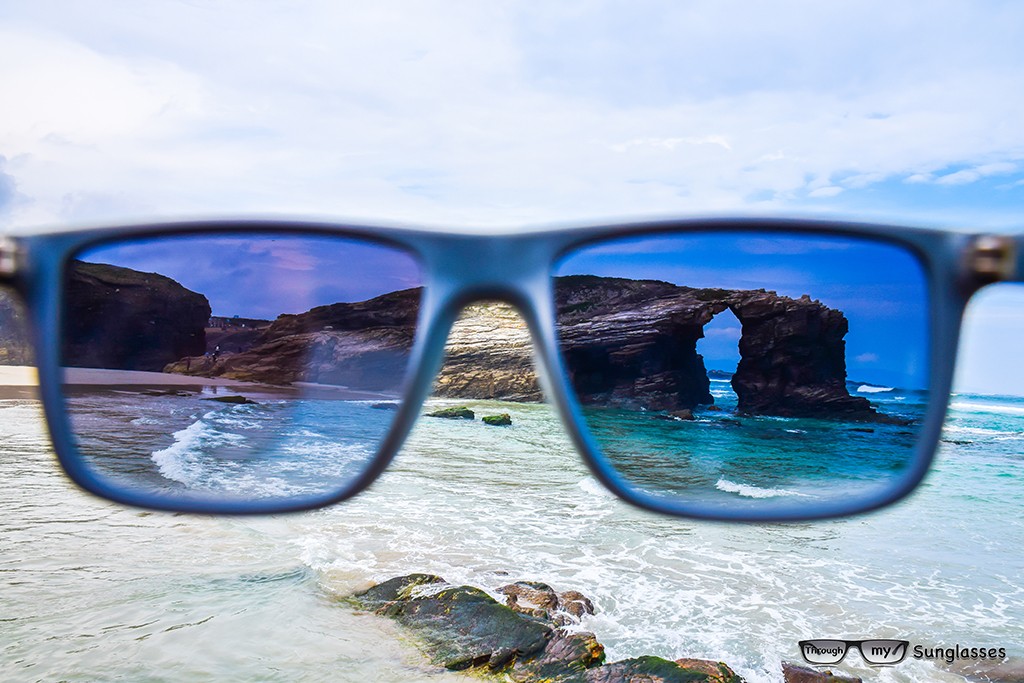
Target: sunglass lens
(884,651)
(235,367)
(748,373)
(823,651)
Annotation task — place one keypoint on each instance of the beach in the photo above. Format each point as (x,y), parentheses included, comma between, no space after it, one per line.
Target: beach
(92,590)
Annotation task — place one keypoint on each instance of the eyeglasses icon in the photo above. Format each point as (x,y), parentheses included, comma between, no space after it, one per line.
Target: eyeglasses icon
(874,652)
(730,369)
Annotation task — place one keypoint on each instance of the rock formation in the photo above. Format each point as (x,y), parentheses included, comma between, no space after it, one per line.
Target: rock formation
(363,345)
(464,628)
(122,319)
(633,343)
(626,343)
(15,348)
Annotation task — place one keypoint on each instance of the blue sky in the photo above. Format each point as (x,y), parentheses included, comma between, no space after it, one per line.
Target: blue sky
(267,275)
(488,115)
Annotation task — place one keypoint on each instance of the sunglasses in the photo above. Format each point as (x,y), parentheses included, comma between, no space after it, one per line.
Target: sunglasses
(723,369)
(874,652)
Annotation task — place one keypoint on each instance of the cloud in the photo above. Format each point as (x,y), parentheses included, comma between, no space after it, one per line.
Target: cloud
(971,175)
(515,115)
(728,333)
(7,186)
(671,143)
(867,358)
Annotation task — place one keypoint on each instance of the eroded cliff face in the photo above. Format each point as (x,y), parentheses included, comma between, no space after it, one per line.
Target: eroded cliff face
(626,343)
(633,343)
(363,345)
(122,319)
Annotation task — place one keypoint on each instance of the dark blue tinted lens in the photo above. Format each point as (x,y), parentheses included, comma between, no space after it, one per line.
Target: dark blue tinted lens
(756,372)
(240,367)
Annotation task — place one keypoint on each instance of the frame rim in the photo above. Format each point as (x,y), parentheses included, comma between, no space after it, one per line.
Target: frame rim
(448,287)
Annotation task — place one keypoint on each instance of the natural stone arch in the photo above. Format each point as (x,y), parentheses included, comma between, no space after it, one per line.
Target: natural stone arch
(633,343)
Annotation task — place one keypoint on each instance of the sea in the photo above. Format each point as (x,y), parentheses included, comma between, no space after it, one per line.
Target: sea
(93,591)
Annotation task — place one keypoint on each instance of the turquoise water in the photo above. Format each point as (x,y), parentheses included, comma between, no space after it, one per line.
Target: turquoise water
(93,591)
(729,460)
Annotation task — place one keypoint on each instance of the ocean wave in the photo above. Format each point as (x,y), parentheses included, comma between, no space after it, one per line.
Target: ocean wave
(951,430)
(749,491)
(181,461)
(967,407)
(868,389)
(594,488)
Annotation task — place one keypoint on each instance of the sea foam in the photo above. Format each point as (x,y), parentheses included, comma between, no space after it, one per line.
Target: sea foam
(868,389)
(748,491)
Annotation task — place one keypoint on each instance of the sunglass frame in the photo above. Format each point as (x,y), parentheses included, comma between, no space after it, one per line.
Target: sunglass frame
(460,268)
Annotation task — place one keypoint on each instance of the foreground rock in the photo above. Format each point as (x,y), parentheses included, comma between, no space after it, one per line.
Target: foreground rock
(463,628)
(801,674)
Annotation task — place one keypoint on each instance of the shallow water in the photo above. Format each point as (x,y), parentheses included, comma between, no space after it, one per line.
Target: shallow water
(93,591)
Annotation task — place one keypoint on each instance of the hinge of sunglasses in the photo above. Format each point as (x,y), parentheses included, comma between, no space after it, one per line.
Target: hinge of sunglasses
(992,258)
(9,258)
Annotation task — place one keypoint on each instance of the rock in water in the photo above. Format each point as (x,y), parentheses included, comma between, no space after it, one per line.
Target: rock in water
(239,400)
(633,344)
(461,627)
(801,674)
(716,672)
(502,420)
(457,413)
(122,319)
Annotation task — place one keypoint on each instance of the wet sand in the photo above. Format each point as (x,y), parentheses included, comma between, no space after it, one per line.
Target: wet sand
(18,381)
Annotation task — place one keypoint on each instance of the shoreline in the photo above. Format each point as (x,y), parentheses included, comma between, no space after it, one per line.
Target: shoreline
(22,381)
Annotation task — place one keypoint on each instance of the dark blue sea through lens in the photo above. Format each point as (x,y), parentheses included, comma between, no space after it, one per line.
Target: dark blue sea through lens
(234,366)
(812,391)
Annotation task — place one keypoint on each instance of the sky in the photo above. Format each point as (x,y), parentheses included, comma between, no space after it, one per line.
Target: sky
(504,114)
(263,276)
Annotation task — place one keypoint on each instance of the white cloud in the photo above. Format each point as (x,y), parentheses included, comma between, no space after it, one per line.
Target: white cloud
(971,175)
(495,114)
(867,358)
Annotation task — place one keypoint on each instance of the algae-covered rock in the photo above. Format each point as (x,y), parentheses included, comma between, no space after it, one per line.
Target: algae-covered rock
(540,600)
(801,674)
(456,413)
(502,420)
(460,627)
(646,669)
(464,628)
(716,672)
(239,400)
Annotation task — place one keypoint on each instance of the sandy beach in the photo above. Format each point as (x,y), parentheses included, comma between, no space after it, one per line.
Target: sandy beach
(19,381)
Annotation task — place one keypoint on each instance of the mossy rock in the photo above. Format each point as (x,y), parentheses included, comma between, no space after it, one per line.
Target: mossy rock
(238,400)
(502,420)
(456,413)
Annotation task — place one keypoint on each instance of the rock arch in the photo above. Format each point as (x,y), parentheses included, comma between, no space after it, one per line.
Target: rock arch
(632,343)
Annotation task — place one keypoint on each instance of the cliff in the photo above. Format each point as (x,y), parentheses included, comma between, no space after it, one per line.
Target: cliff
(362,345)
(627,343)
(122,319)
(15,348)
(633,343)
